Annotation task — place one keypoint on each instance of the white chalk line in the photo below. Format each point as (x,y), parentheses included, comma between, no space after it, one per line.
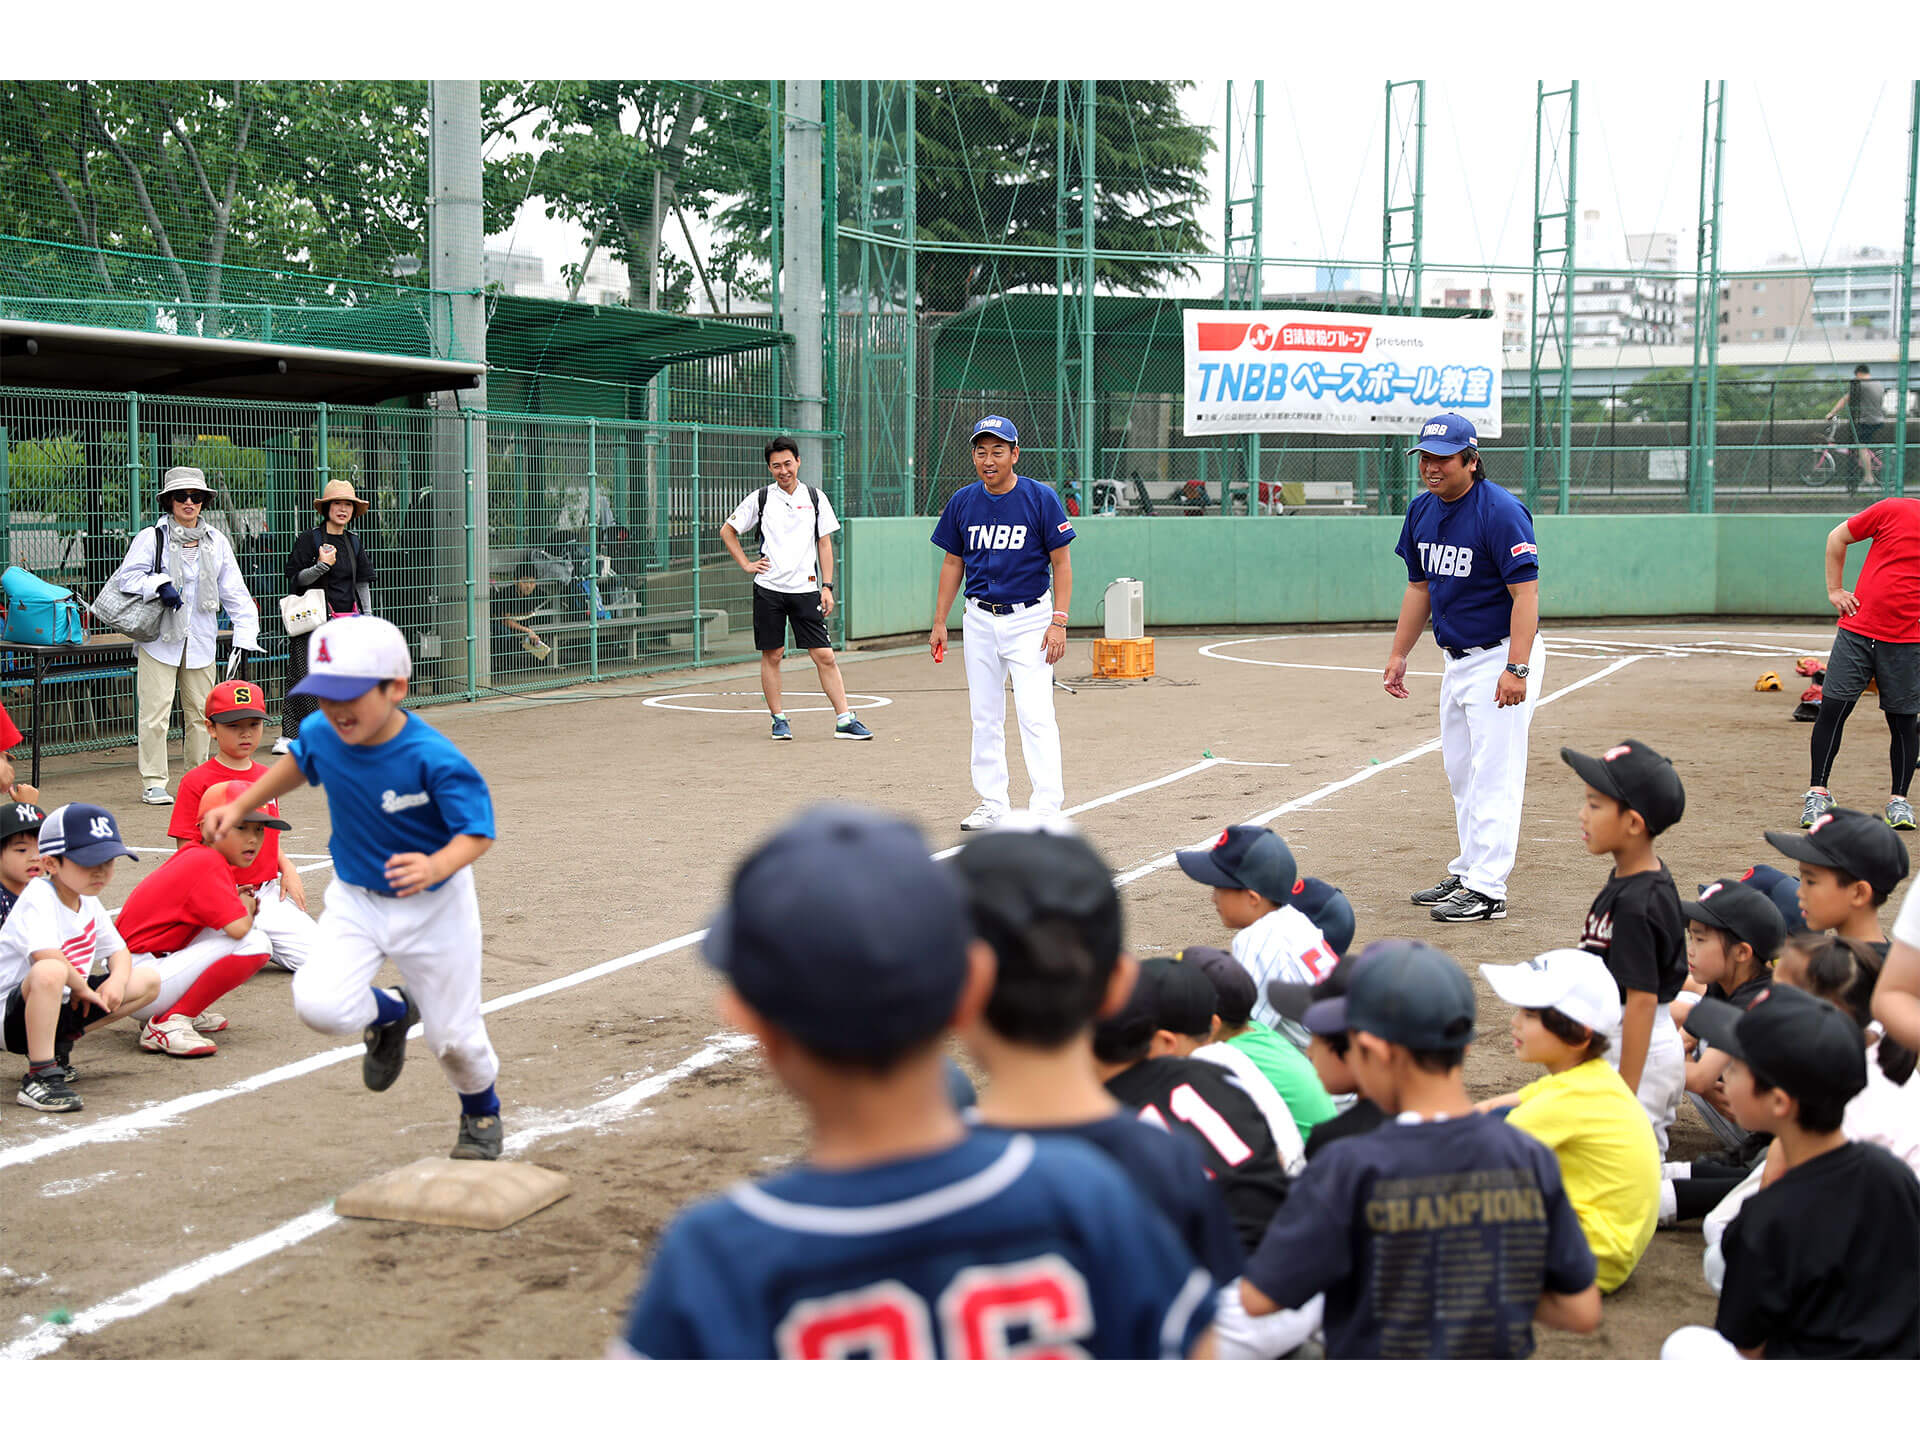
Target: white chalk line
(48,1338)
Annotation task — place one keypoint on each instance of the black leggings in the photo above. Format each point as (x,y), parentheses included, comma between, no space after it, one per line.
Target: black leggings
(1711,1184)
(1903,745)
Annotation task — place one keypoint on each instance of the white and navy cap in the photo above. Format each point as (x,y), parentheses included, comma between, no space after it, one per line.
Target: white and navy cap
(84,834)
(997,426)
(1447,434)
(349,656)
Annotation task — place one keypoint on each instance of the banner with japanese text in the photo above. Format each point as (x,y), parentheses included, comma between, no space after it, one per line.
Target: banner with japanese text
(1250,371)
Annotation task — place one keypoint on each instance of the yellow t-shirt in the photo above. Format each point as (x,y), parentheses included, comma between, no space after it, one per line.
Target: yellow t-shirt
(1609,1160)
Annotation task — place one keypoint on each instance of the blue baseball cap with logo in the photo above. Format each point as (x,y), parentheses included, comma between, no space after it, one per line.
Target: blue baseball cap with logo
(84,834)
(841,931)
(1328,907)
(997,426)
(1447,434)
(1245,857)
(1408,993)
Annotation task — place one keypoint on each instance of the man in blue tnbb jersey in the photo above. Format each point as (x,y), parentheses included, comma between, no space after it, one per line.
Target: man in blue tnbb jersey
(1473,566)
(1007,537)
(904,1235)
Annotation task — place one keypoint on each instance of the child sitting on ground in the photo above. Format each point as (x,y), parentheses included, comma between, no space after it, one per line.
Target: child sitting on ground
(1289,1072)
(1849,864)
(1327,1050)
(1733,934)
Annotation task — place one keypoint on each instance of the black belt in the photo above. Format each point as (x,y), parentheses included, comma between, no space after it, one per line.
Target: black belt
(1453,654)
(994,608)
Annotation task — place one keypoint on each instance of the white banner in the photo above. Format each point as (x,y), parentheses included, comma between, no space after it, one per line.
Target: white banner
(1249,371)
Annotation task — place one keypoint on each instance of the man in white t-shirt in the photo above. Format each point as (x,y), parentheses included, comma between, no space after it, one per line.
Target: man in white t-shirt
(792,582)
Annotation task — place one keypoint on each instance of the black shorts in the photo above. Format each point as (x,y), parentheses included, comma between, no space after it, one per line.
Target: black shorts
(13,1033)
(772,609)
(1856,659)
(1868,432)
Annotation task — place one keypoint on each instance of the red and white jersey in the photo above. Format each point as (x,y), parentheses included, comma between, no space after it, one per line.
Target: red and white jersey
(1283,945)
(40,920)
(192,892)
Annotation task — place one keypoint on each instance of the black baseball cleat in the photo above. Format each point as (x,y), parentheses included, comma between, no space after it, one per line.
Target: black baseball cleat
(1465,905)
(480,1138)
(1434,894)
(387,1047)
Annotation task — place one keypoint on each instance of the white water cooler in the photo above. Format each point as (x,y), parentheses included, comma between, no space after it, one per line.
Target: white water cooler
(1126,610)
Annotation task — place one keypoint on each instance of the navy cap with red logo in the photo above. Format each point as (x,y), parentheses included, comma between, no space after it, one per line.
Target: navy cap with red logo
(1850,841)
(1639,777)
(1327,907)
(1779,887)
(1245,857)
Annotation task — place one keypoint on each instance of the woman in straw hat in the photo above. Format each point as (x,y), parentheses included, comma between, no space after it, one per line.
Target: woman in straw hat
(196,578)
(331,558)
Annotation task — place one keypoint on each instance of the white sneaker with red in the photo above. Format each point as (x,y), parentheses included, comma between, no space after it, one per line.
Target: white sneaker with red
(209,1022)
(175,1036)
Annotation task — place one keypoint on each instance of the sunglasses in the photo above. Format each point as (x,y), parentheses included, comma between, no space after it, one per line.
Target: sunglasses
(192,497)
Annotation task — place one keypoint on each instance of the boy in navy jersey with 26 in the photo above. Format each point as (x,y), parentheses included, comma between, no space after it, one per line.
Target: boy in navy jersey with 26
(410,815)
(1007,538)
(903,1235)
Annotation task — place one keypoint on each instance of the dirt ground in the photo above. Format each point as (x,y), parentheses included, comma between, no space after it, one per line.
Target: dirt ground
(620,821)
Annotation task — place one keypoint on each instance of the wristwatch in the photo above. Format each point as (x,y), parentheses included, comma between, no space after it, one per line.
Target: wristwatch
(1520,670)
(826,584)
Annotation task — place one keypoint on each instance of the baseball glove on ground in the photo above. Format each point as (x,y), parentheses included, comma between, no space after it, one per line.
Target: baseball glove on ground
(1809,706)
(1768,681)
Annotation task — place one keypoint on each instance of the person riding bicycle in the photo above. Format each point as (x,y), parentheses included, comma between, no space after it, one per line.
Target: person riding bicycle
(1864,402)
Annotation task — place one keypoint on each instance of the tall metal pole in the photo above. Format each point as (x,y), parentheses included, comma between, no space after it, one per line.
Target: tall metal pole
(1903,302)
(1565,500)
(1704,410)
(776,129)
(1083,481)
(910,232)
(801,297)
(1401,261)
(829,231)
(1061,277)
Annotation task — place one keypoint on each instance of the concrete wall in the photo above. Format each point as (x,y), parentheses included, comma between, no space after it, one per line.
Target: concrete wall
(1307,569)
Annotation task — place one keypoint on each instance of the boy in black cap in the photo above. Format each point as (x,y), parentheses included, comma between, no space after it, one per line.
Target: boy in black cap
(19,849)
(1824,1263)
(904,1235)
(1850,863)
(1734,933)
(1445,1235)
(1139,1059)
(1328,1049)
(1634,923)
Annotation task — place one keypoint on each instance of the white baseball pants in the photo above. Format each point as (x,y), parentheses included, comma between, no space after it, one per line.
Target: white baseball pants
(1691,1344)
(1663,1077)
(1240,1336)
(293,933)
(433,941)
(1484,749)
(998,646)
(180,969)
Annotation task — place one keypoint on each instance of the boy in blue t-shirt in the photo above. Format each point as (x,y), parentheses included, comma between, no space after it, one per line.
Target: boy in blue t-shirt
(1443,1234)
(904,1235)
(410,815)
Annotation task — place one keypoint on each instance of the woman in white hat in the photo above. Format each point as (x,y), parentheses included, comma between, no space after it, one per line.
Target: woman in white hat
(197,576)
(331,558)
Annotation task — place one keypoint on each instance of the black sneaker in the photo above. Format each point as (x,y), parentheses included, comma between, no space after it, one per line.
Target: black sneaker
(480,1138)
(387,1047)
(1464,905)
(64,1059)
(1434,894)
(49,1093)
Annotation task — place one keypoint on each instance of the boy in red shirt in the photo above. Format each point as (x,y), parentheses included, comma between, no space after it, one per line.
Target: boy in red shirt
(190,921)
(236,720)
(1878,639)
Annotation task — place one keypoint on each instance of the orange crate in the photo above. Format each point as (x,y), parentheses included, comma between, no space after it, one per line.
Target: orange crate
(1123,659)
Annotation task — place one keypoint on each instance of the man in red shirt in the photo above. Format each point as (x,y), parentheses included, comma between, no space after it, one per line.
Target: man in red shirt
(189,920)
(1878,639)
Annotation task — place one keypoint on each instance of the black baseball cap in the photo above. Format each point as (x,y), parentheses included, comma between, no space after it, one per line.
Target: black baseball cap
(1234,992)
(1245,857)
(1015,878)
(1739,908)
(1167,995)
(1782,889)
(1320,1007)
(1801,1044)
(20,817)
(1408,993)
(840,930)
(1848,840)
(1639,777)
(1328,907)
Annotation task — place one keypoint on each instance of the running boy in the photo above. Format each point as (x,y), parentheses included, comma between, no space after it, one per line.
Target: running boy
(1445,1235)
(55,936)
(20,822)
(191,923)
(1634,924)
(410,815)
(1850,863)
(236,720)
(1251,870)
(903,1235)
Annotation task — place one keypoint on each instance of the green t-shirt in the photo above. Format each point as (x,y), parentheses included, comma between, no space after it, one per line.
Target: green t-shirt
(1290,1071)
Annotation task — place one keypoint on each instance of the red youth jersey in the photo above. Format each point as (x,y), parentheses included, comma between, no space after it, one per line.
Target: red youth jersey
(185,824)
(1889,585)
(193,891)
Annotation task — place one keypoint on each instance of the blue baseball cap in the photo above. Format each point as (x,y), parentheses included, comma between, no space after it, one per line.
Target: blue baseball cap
(1408,993)
(1245,857)
(1328,907)
(998,426)
(1782,889)
(84,834)
(842,931)
(1447,434)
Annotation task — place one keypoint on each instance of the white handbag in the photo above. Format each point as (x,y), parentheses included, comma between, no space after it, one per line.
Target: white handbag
(301,613)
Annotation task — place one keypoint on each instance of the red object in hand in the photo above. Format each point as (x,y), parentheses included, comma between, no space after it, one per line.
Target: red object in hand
(940,652)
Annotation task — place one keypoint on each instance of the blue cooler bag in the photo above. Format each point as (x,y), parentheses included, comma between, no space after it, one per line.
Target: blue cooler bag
(39,613)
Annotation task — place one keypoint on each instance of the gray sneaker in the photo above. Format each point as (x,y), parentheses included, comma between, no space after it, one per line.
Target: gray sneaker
(1900,815)
(155,795)
(387,1047)
(1434,894)
(1466,905)
(1818,803)
(480,1138)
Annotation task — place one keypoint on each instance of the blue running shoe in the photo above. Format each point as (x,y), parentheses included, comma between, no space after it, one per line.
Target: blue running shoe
(782,730)
(852,730)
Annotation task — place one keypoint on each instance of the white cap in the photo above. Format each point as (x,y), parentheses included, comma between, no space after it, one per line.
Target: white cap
(349,656)
(184,477)
(1577,983)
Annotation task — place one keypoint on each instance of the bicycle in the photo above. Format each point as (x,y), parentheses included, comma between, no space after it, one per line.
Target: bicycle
(1833,453)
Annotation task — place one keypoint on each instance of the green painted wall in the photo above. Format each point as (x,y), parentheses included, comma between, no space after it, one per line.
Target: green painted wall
(1305,569)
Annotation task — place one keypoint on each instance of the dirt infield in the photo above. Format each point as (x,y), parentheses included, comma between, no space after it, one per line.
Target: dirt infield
(620,821)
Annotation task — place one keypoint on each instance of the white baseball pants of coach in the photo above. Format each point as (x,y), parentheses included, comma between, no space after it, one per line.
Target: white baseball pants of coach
(998,646)
(1484,748)
(293,933)
(433,940)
